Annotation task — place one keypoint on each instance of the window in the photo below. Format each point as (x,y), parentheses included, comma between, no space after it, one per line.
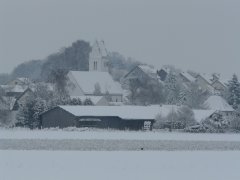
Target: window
(95,65)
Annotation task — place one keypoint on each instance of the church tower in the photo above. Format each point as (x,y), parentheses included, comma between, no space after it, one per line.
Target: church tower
(98,57)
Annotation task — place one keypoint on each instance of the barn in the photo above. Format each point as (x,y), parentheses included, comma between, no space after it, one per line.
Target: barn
(114,117)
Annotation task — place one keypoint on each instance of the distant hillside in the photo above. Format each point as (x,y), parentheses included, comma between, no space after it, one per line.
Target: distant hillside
(74,57)
(30,69)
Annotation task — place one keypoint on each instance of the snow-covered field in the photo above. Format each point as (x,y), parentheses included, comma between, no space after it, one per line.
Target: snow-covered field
(88,134)
(73,165)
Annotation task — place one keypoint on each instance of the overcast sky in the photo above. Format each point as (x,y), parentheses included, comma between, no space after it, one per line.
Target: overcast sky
(202,35)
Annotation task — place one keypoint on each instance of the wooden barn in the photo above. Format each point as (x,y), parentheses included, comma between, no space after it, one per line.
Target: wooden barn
(114,117)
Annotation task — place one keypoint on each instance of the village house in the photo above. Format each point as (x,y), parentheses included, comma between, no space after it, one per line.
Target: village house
(21,100)
(220,106)
(162,73)
(211,83)
(142,73)
(20,81)
(186,77)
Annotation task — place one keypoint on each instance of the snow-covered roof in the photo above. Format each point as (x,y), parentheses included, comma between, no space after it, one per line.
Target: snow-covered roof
(7,103)
(217,103)
(87,81)
(94,99)
(24,80)
(188,76)
(207,77)
(14,88)
(18,88)
(124,112)
(147,69)
(150,71)
(224,80)
(166,69)
(132,112)
(200,115)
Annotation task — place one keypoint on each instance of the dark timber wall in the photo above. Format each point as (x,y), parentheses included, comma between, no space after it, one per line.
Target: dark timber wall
(57,117)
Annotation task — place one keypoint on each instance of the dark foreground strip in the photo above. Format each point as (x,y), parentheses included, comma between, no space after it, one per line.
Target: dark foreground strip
(117,145)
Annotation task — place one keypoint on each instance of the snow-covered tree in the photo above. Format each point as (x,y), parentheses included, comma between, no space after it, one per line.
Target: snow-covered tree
(88,102)
(174,88)
(186,116)
(25,113)
(144,92)
(29,112)
(235,124)
(234,92)
(2,100)
(76,101)
(97,89)
(108,96)
(216,123)
(39,107)
(60,80)
(195,96)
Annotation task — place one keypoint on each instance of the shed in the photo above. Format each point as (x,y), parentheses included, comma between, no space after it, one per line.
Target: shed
(115,117)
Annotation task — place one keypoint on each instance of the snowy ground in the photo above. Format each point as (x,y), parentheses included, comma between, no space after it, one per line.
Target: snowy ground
(62,165)
(117,145)
(109,140)
(112,135)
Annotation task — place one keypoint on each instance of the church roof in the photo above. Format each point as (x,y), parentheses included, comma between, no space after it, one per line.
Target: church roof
(88,79)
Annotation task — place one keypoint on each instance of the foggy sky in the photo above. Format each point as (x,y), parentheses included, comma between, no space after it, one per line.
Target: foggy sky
(202,35)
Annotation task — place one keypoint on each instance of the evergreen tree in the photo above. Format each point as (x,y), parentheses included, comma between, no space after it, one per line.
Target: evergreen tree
(75,101)
(108,96)
(39,107)
(97,89)
(25,113)
(174,89)
(88,102)
(195,96)
(234,92)
(29,112)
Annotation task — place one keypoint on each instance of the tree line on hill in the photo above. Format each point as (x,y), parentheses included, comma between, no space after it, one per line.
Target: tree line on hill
(74,57)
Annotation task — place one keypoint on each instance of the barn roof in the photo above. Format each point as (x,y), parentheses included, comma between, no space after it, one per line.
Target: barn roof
(132,112)
(124,112)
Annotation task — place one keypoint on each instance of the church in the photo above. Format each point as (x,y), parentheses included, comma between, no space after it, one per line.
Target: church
(97,81)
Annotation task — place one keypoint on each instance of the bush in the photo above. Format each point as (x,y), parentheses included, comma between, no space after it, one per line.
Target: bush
(235,124)
(181,119)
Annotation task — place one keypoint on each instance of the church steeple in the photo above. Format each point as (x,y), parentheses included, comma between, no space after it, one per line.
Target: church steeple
(98,57)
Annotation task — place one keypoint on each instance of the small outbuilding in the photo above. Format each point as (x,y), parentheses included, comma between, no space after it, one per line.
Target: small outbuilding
(114,117)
